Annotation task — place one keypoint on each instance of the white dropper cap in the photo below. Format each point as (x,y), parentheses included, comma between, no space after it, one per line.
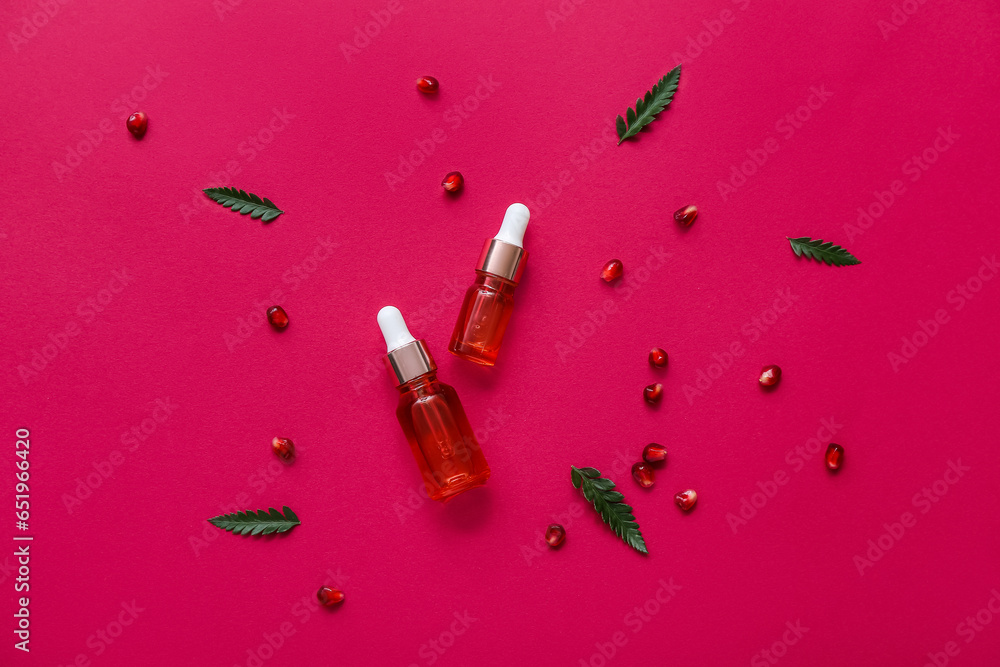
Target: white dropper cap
(515,221)
(394,330)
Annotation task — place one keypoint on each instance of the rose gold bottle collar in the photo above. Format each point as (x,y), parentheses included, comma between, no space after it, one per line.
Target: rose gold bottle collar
(410,361)
(502,259)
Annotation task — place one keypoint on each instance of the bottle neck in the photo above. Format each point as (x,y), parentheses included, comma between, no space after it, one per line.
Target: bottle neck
(494,281)
(420,384)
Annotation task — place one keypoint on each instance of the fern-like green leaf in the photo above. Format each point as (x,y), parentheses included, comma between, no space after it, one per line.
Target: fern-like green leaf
(261,522)
(244,203)
(598,491)
(816,249)
(647,107)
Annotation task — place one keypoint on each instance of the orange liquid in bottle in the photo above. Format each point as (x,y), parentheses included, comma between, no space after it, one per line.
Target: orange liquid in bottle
(483,319)
(442,441)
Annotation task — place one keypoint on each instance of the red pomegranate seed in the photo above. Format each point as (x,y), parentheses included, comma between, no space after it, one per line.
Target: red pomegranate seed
(769,376)
(427,84)
(686,215)
(554,535)
(653,393)
(643,474)
(137,123)
(657,358)
(653,452)
(277,316)
(329,597)
(834,456)
(453,181)
(686,499)
(284,448)
(612,270)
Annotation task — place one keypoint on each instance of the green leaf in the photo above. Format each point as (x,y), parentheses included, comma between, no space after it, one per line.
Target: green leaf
(646,108)
(826,252)
(608,503)
(261,522)
(244,203)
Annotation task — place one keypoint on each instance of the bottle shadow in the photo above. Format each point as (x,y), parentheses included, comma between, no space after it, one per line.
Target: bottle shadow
(481,377)
(467,512)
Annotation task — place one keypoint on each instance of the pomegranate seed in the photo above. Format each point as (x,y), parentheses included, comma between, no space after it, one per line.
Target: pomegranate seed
(554,535)
(277,316)
(769,376)
(612,270)
(137,123)
(686,215)
(284,448)
(653,393)
(643,474)
(834,456)
(657,358)
(686,499)
(329,597)
(653,452)
(453,181)
(427,84)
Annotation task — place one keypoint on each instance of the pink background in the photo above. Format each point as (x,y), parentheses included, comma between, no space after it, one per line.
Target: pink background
(564,393)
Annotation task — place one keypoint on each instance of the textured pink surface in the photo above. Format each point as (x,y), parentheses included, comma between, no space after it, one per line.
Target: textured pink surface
(567,390)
